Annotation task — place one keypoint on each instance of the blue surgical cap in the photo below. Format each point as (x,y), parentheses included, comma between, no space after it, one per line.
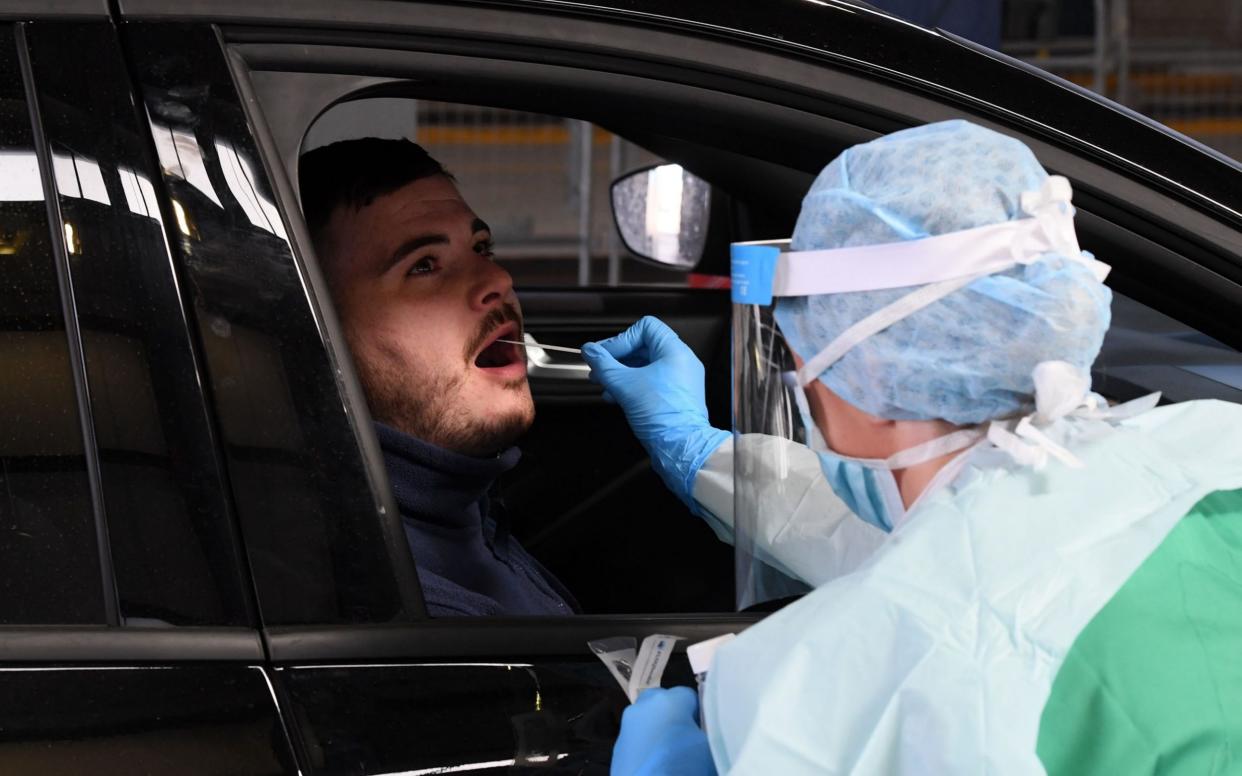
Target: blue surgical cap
(968,357)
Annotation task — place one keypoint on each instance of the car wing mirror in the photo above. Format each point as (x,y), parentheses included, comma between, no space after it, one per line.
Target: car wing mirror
(661,213)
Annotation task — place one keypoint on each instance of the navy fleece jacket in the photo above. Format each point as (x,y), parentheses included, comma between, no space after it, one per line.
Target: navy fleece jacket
(467,562)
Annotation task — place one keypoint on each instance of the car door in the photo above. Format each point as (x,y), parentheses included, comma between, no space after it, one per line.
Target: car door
(373,687)
(759,145)
(354,664)
(128,635)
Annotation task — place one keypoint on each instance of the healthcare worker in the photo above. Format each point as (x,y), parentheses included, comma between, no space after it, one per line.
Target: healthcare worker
(1061,590)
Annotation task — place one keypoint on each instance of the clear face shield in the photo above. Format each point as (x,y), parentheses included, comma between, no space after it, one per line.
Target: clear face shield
(803,514)
(791,532)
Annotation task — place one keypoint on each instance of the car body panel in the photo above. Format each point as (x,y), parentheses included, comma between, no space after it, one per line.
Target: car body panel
(214,719)
(410,717)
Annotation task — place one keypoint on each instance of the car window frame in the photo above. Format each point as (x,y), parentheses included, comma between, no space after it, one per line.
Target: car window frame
(432,638)
(1102,187)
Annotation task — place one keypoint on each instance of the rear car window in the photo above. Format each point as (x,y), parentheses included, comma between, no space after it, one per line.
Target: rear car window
(49,559)
(171,539)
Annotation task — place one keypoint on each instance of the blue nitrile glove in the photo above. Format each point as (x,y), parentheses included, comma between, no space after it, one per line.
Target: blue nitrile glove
(658,381)
(659,736)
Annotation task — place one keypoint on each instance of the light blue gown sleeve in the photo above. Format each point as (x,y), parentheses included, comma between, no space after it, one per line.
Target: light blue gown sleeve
(805,530)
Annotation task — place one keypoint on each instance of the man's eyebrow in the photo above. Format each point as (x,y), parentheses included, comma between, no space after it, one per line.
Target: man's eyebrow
(422,241)
(414,243)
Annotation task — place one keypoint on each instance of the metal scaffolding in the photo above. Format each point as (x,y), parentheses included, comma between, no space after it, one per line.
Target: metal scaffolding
(1179,63)
(542,184)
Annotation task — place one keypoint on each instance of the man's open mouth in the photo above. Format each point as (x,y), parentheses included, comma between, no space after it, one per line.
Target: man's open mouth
(500,354)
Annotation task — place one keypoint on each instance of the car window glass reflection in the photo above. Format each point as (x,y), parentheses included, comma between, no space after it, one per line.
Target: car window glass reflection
(171,540)
(19,177)
(316,537)
(240,176)
(181,157)
(49,564)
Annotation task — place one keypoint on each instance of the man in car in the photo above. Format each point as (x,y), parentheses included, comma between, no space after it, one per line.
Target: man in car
(422,303)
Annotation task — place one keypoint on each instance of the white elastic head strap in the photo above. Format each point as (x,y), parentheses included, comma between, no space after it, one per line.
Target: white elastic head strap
(879,321)
(903,459)
(941,265)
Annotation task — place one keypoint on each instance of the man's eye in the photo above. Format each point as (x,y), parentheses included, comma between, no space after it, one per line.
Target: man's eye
(423,266)
(485,247)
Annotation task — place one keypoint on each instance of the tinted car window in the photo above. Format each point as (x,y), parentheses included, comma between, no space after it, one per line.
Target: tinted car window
(49,562)
(173,548)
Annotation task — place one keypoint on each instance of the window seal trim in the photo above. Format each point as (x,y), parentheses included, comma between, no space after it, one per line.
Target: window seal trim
(73,332)
(60,10)
(55,644)
(471,637)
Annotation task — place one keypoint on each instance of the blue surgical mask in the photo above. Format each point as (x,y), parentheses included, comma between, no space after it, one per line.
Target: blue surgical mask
(867,485)
(869,492)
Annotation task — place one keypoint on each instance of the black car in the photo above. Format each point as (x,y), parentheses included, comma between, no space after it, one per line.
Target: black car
(202,569)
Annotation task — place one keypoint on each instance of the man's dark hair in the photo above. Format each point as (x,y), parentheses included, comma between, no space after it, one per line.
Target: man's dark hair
(355,172)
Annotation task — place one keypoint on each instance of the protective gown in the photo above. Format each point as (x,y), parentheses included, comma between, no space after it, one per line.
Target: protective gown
(1021,621)
(811,534)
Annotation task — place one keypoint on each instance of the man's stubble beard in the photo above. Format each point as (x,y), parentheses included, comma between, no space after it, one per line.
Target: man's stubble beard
(428,407)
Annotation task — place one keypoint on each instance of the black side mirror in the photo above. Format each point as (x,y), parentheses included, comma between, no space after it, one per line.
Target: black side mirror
(661,214)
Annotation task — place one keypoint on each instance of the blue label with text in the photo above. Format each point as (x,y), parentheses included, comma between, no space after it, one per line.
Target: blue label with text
(752,268)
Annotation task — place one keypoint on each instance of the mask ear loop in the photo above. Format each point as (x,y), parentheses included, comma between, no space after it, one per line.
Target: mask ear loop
(814,438)
(934,448)
(904,459)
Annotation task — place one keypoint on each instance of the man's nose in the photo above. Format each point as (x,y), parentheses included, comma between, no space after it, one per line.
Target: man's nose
(492,286)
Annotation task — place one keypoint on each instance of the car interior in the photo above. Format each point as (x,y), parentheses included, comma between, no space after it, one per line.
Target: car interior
(584,500)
